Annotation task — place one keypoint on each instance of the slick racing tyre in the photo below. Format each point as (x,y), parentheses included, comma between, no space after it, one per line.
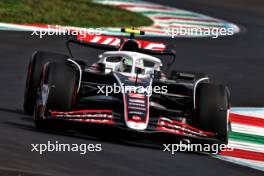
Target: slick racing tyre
(57,91)
(212,103)
(36,63)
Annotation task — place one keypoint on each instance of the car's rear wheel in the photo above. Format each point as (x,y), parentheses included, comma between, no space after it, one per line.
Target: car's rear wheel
(57,91)
(212,103)
(36,63)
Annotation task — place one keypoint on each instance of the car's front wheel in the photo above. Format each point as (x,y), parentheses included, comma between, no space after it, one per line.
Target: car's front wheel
(35,66)
(57,90)
(212,103)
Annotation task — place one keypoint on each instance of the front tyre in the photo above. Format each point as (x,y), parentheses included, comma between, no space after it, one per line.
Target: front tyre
(57,91)
(212,103)
(35,66)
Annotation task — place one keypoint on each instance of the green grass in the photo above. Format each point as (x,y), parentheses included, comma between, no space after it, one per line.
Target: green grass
(81,13)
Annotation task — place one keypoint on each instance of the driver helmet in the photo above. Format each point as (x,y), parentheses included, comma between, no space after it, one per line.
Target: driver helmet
(126,64)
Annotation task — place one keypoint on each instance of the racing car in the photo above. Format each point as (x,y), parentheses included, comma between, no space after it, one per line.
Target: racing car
(61,86)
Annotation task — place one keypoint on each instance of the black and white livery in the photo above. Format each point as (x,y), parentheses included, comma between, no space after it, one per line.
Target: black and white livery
(187,104)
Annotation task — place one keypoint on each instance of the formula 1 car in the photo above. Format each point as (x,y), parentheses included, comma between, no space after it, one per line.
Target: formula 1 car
(126,88)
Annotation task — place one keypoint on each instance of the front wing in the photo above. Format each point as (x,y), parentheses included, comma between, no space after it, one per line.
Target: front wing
(161,124)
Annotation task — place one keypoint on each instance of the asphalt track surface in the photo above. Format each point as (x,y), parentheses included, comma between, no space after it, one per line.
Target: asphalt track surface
(236,61)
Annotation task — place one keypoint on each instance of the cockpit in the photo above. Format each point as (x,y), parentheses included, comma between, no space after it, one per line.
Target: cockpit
(129,62)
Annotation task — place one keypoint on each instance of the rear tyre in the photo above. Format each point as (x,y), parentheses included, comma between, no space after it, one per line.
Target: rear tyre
(212,103)
(57,91)
(36,63)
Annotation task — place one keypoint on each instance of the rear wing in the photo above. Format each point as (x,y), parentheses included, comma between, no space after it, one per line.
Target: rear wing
(114,43)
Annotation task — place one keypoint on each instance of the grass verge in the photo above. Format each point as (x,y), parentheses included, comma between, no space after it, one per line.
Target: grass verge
(83,13)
